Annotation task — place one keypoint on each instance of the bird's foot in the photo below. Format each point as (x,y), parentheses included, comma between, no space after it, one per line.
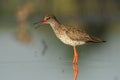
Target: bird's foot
(75,66)
(75,69)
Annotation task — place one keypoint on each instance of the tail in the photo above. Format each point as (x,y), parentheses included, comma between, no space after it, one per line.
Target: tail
(96,40)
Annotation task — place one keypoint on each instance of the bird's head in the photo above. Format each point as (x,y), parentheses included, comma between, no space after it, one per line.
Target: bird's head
(50,18)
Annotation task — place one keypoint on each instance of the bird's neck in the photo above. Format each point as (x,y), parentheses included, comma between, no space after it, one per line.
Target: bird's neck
(55,25)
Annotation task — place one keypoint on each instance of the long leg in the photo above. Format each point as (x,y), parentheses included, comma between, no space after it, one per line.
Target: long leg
(75,63)
(75,56)
(75,71)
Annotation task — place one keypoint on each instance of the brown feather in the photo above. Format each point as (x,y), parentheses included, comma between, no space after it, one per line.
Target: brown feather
(76,33)
(96,40)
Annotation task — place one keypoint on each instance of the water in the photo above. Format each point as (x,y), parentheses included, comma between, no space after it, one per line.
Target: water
(46,58)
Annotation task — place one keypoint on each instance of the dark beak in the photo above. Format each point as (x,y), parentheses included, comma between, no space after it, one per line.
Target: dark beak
(37,24)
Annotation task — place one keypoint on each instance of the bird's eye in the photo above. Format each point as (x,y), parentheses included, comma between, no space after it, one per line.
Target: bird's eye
(48,18)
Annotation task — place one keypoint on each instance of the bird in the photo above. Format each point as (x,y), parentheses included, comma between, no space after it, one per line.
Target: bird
(70,35)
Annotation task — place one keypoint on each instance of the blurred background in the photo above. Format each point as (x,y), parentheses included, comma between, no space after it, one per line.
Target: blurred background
(27,53)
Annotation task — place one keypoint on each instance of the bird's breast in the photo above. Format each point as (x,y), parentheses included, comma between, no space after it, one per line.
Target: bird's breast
(65,39)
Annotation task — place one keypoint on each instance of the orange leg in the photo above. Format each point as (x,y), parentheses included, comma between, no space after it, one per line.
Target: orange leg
(75,68)
(75,63)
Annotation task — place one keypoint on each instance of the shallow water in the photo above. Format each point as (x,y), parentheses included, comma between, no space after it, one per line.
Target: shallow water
(46,58)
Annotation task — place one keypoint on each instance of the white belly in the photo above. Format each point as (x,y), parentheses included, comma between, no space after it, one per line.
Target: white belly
(65,39)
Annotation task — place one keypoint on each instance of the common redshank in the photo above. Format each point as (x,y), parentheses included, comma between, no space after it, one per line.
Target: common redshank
(70,35)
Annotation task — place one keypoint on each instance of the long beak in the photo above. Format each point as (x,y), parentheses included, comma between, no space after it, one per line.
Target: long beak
(37,24)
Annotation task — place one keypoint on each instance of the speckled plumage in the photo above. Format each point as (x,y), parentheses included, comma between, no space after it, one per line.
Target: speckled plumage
(70,35)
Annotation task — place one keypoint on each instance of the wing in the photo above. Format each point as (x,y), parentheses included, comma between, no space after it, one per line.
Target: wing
(75,33)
